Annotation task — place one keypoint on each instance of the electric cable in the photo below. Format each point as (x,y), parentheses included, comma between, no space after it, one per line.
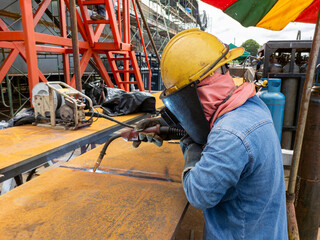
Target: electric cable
(92,114)
(114,120)
(103,151)
(98,114)
(96,110)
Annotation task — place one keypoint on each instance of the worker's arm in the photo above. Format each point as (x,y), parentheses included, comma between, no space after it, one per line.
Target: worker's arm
(222,162)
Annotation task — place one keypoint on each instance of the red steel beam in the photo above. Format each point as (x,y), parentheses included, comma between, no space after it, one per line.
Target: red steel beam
(19,46)
(83,65)
(41,48)
(102,69)
(137,74)
(11,36)
(126,39)
(93,2)
(40,38)
(98,32)
(81,28)
(63,30)
(55,40)
(109,46)
(3,26)
(30,43)
(114,68)
(7,45)
(85,18)
(113,23)
(125,20)
(7,63)
(41,9)
(70,51)
(22,51)
(24,42)
(119,18)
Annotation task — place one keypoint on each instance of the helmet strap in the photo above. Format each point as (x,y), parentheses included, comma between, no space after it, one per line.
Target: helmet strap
(224,69)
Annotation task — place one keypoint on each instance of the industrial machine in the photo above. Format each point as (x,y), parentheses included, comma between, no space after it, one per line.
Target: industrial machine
(59,106)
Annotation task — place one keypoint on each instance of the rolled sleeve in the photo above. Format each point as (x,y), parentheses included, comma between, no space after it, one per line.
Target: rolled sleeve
(222,162)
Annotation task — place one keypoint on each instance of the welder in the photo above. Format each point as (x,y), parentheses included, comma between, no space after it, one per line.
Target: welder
(233,162)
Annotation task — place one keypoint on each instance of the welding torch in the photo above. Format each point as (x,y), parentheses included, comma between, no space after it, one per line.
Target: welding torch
(166,132)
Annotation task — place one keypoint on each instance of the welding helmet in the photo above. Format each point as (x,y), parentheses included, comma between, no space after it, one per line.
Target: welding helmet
(188,58)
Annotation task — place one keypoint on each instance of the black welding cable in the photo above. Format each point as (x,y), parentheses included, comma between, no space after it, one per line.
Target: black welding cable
(103,151)
(98,114)
(91,114)
(112,119)
(96,110)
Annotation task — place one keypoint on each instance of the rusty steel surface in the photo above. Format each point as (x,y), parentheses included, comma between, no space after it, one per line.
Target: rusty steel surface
(147,160)
(18,144)
(70,204)
(23,142)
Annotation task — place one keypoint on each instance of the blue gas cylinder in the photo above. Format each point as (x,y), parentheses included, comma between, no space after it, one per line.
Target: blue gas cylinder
(275,100)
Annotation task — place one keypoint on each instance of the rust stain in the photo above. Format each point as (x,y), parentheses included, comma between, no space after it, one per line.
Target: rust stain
(83,205)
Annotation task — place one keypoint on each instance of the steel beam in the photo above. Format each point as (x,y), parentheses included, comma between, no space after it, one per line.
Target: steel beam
(79,22)
(63,30)
(98,32)
(41,48)
(7,45)
(30,43)
(22,51)
(83,65)
(4,68)
(41,9)
(113,23)
(55,40)
(11,36)
(88,27)
(102,70)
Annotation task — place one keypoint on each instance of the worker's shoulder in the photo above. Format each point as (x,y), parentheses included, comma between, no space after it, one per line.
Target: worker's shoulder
(253,114)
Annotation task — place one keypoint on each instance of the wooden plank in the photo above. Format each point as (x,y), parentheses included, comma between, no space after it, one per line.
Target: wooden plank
(70,204)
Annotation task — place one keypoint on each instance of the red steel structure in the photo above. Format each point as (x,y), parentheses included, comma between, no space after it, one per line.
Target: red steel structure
(28,43)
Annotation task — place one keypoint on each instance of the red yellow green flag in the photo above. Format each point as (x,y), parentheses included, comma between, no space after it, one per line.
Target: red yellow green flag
(269,14)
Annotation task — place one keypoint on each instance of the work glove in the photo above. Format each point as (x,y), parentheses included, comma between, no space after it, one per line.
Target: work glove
(191,153)
(149,137)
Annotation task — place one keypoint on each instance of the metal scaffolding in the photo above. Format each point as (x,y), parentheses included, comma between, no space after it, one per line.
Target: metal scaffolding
(37,47)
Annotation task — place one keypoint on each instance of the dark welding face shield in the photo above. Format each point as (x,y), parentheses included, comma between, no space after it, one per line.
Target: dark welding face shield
(185,105)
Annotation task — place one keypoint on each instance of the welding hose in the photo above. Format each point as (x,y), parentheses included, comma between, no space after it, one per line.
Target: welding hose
(171,133)
(98,114)
(104,149)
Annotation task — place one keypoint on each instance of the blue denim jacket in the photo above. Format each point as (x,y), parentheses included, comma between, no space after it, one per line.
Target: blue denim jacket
(239,180)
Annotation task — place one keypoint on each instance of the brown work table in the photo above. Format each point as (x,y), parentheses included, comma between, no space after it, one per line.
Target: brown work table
(26,147)
(72,202)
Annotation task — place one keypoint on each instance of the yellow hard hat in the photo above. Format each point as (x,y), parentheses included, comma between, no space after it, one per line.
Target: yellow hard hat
(193,55)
